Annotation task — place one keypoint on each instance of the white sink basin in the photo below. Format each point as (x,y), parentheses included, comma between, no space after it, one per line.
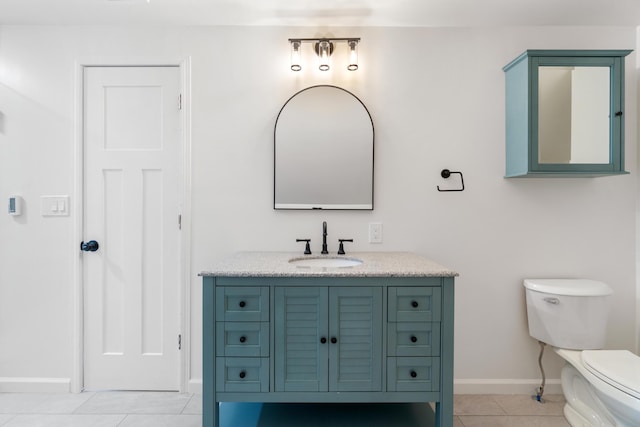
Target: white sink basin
(325,262)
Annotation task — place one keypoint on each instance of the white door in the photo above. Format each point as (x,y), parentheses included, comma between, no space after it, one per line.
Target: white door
(131,207)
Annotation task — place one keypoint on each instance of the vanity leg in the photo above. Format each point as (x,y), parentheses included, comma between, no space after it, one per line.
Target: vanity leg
(444,408)
(444,414)
(210,410)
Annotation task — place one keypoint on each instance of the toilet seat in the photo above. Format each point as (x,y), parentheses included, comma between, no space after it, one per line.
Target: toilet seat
(619,368)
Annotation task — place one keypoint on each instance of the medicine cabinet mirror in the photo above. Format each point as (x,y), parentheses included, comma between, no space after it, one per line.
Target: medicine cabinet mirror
(565,113)
(323,151)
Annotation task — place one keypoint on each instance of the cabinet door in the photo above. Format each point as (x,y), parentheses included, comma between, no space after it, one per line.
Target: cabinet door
(355,324)
(300,324)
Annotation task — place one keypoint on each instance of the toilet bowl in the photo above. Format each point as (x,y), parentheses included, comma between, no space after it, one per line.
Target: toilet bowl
(595,397)
(601,387)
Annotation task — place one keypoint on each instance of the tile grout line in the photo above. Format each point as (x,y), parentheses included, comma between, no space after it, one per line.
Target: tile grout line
(12,416)
(122,420)
(84,403)
(185,405)
(495,400)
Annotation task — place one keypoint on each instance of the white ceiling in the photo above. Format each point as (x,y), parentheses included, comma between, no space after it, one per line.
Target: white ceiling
(417,13)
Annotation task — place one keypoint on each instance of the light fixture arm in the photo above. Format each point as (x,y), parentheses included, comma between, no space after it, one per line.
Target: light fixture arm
(316,46)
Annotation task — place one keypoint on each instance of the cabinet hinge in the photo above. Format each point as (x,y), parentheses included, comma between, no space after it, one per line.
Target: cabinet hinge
(180,102)
(179,222)
(179,341)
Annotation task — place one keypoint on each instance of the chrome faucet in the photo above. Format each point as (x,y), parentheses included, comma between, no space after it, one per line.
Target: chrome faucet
(324,238)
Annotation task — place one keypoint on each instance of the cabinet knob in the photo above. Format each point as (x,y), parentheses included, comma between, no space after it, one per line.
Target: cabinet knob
(334,340)
(414,338)
(323,340)
(414,374)
(243,374)
(243,338)
(414,304)
(242,304)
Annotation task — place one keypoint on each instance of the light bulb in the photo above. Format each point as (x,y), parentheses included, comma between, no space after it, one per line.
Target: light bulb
(324,51)
(295,55)
(353,55)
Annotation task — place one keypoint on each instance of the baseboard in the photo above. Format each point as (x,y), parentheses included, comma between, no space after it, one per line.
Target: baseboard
(504,386)
(195,386)
(35,385)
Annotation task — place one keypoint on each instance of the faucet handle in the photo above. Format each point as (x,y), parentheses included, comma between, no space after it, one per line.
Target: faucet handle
(307,247)
(341,247)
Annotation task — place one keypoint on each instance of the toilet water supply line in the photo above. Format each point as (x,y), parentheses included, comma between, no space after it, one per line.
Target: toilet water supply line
(540,390)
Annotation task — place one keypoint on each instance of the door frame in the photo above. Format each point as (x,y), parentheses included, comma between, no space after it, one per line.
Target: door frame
(184,323)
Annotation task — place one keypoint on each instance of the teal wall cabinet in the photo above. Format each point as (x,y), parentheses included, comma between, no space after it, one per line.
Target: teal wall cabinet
(328,340)
(565,113)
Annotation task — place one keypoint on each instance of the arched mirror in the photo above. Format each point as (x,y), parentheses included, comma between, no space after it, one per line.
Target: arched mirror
(323,151)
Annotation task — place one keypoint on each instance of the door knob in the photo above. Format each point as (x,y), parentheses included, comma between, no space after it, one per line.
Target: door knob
(90,246)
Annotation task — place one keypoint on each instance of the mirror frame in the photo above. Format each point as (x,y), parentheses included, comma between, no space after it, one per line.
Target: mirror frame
(319,206)
(522,112)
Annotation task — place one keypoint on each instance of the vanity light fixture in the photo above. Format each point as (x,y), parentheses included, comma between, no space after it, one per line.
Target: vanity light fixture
(324,48)
(295,55)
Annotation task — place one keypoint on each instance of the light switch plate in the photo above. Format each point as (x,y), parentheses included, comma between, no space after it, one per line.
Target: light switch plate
(54,205)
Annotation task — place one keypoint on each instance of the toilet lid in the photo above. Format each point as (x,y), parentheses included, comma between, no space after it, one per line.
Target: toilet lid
(619,368)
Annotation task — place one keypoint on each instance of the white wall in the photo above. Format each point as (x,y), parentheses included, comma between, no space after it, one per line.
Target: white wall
(437,101)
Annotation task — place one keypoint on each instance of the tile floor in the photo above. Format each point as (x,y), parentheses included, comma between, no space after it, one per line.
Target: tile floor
(157,409)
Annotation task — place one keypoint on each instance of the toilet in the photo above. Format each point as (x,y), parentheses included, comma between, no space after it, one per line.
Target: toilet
(601,387)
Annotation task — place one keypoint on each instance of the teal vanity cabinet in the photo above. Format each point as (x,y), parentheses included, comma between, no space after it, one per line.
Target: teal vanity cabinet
(565,113)
(356,335)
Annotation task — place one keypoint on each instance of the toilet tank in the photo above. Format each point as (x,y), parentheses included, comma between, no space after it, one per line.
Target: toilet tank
(568,313)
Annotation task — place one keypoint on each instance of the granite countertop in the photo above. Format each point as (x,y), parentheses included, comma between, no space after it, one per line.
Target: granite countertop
(375,264)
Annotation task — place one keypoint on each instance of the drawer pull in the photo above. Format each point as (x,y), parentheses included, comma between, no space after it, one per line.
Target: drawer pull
(243,338)
(334,340)
(243,374)
(323,340)
(413,374)
(414,338)
(414,304)
(242,304)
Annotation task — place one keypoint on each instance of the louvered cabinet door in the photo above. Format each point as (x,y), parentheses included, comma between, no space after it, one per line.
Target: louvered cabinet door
(355,343)
(301,339)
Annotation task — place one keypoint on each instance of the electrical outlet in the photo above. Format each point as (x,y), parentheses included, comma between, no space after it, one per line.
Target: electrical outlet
(375,232)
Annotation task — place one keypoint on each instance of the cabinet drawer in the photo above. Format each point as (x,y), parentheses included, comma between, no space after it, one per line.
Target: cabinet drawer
(407,304)
(414,339)
(242,304)
(244,339)
(413,373)
(248,374)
